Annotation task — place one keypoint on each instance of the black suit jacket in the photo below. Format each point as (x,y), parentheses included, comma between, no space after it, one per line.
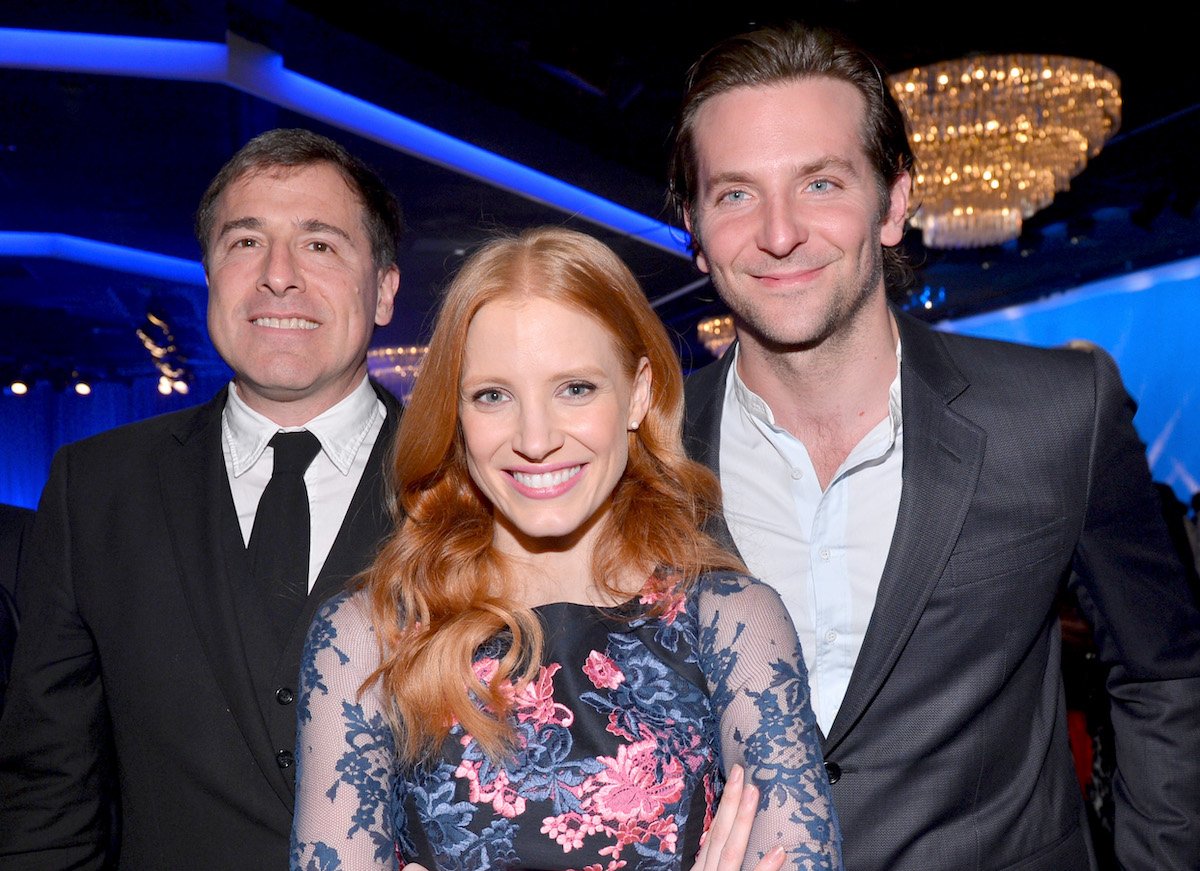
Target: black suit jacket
(15,527)
(143,672)
(950,748)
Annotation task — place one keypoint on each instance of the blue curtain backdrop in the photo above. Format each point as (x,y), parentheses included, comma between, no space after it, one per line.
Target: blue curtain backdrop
(34,426)
(1148,321)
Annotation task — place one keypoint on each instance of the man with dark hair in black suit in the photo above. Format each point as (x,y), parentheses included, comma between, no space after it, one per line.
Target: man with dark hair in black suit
(176,563)
(919,498)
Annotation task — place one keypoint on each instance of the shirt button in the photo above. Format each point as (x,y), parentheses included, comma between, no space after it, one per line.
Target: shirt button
(285,695)
(824,553)
(831,636)
(285,759)
(797,474)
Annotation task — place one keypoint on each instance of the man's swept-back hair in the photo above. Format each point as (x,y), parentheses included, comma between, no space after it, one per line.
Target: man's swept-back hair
(439,588)
(776,55)
(294,148)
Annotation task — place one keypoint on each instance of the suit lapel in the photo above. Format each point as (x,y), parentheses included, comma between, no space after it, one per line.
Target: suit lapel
(704,395)
(195,487)
(367,521)
(943,455)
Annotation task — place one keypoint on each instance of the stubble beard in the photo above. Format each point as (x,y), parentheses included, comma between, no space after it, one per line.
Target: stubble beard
(783,336)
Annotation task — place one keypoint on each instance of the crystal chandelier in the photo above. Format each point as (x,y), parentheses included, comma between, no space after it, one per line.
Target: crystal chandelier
(716,334)
(997,136)
(396,368)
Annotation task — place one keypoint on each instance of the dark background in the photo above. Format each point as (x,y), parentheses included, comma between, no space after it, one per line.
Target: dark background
(586,94)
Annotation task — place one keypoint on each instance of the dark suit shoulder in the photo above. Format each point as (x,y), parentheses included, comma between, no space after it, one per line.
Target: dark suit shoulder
(145,436)
(703,395)
(1006,358)
(950,362)
(704,388)
(700,382)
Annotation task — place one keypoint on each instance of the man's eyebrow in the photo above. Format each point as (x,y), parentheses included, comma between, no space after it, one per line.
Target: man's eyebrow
(829,162)
(240,224)
(312,225)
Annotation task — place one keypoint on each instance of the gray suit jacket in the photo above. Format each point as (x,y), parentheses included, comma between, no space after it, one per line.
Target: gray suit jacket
(143,678)
(950,749)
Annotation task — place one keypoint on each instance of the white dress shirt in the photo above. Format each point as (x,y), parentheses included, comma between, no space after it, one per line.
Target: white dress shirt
(823,551)
(347,433)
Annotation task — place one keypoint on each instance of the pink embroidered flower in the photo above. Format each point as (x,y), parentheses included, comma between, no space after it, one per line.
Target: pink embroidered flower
(710,800)
(485,669)
(629,788)
(676,602)
(505,800)
(614,727)
(535,701)
(666,829)
(568,830)
(602,671)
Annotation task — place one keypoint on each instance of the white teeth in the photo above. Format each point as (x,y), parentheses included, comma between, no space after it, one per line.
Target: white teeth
(545,480)
(286,323)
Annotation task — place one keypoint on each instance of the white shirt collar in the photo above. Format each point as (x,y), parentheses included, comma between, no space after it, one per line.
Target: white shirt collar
(340,429)
(756,406)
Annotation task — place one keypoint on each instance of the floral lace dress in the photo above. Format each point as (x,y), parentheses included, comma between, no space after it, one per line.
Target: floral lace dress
(621,744)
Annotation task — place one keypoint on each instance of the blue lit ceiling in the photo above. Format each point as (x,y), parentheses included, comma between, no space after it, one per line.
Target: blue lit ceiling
(584,96)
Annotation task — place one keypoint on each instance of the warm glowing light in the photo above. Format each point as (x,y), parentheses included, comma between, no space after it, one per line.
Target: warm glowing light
(998,130)
(396,368)
(716,334)
(19,388)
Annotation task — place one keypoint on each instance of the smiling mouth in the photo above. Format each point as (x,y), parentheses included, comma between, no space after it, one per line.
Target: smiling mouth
(788,277)
(546,480)
(285,323)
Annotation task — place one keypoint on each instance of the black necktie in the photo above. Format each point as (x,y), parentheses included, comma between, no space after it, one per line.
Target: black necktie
(279,542)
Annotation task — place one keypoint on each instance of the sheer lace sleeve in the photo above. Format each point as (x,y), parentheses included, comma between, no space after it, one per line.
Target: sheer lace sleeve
(344,748)
(750,655)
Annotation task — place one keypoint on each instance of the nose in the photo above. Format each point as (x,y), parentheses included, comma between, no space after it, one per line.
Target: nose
(782,228)
(538,434)
(281,273)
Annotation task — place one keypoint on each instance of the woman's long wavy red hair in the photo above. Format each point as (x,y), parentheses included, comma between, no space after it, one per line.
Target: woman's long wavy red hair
(438,588)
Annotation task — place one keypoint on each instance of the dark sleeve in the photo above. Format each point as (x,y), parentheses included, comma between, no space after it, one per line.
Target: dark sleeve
(55,745)
(1131,584)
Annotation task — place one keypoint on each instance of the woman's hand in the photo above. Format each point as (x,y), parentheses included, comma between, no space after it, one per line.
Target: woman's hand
(725,847)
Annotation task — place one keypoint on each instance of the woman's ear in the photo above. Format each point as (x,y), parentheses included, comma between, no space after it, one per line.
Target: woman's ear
(639,399)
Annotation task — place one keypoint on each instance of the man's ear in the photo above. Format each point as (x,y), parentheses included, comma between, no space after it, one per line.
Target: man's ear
(385,300)
(891,231)
(701,261)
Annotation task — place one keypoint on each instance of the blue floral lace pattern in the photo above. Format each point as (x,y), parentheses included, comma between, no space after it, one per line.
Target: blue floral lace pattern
(621,739)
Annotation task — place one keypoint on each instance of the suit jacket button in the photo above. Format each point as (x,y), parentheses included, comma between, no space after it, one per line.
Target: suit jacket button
(285,759)
(834,771)
(285,696)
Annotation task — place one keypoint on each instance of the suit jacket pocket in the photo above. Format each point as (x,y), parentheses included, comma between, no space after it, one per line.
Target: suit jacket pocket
(1003,555)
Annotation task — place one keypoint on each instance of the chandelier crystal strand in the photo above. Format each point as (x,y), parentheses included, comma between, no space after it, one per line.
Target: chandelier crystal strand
(716,334)
(396,368)
(997,136)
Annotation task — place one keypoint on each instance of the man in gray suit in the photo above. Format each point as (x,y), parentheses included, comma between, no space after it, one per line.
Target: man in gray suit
(920,499)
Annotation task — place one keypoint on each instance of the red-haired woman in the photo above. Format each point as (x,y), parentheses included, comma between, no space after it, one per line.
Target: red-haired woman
(550,664)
